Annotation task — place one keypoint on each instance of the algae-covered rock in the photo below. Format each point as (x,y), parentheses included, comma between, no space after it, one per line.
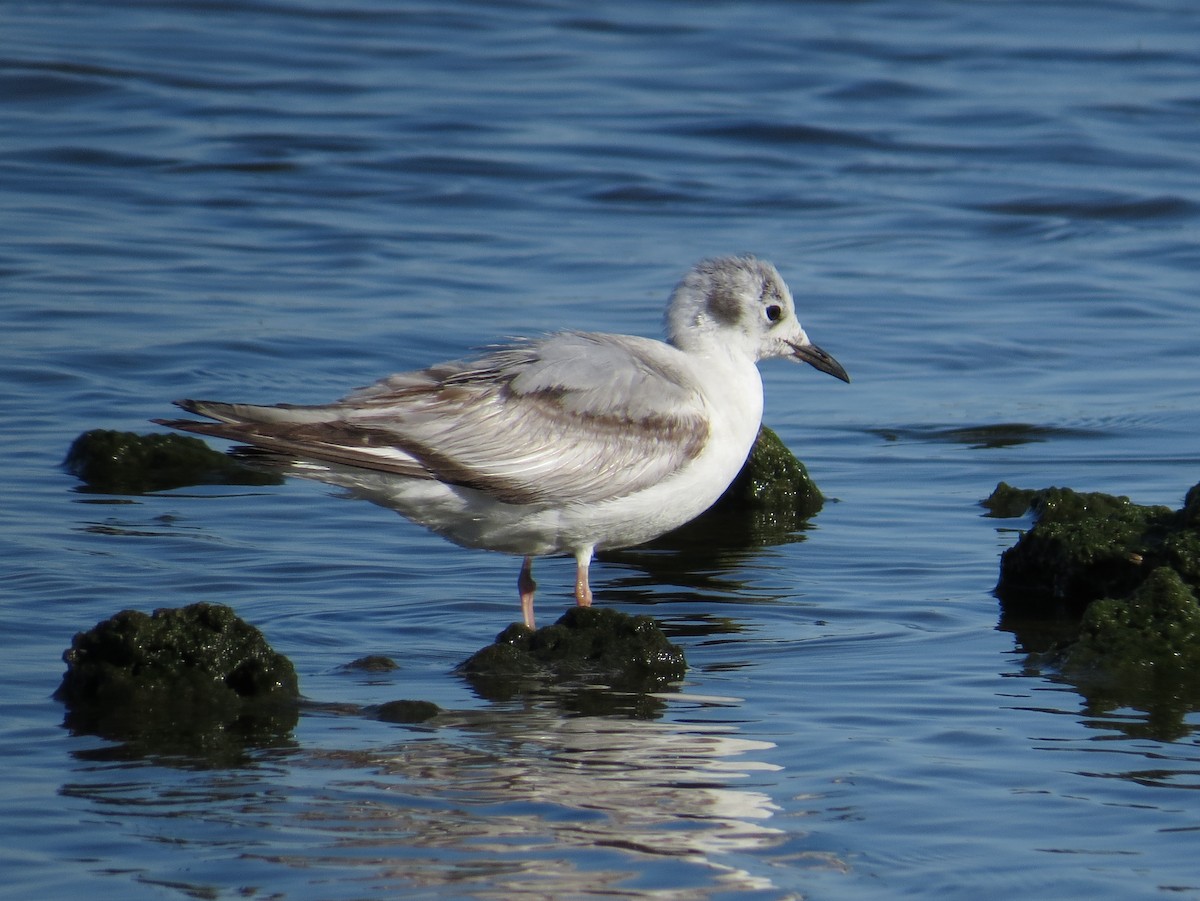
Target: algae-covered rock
(128,463)
(587,644)
(405,711)
(1007,502)
(769,501)
(202,651)
(1085,546)
(1131,574)
(773,480)
(1143,652)
(1154,631)
(196,681)
(372,663)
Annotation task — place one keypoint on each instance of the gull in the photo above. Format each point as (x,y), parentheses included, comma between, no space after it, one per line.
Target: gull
(564,444)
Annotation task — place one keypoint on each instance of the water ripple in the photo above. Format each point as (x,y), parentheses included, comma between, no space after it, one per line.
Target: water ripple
(987,211)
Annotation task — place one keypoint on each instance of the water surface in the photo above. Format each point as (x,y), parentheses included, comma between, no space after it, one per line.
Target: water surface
(987,212)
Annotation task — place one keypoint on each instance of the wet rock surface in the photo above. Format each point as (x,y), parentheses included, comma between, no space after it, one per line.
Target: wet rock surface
(1119,581)
(196,681)
(198,687)
(404,711)
(588,646)
(1153,631)
(372,663)
(1082,547)
(1087,545)
(768,503)
(129,463)
(771,497)
(773,479)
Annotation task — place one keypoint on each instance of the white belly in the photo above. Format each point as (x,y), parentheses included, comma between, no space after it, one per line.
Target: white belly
(472,518)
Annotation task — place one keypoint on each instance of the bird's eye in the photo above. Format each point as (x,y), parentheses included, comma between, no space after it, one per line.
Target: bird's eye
(774,312)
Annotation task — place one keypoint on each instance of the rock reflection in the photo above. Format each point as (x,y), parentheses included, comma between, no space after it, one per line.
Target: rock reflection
(501,803)
(983,436)
(540,804)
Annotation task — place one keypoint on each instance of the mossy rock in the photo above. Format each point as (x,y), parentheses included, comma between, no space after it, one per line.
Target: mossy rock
(773,479)
(1143,652)
(1154,631)
(404,711)
(371,664)
(115,462)
(1130,575)
(588,645)
(769,502)
(1087,546)
(196,680)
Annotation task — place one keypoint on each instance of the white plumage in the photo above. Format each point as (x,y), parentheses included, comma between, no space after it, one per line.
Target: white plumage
(561,444)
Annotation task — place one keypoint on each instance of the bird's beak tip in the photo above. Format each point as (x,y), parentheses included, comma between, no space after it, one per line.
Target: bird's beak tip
(819,359)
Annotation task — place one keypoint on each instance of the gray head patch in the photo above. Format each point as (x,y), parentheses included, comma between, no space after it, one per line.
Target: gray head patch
(725,304)
(731,286)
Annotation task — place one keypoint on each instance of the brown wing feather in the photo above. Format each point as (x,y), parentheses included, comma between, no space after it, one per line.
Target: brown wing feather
(576,418)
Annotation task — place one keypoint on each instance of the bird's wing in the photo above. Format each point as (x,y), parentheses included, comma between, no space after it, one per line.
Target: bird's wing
(572,418)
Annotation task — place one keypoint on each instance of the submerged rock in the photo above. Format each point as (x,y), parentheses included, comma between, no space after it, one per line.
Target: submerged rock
(769,502)
(196,681)
(128,463)
(1143,652)
(587,645)
(1129,574)
(1153,632)
(372,663)
(773,480)
(404,711)
(1086,546)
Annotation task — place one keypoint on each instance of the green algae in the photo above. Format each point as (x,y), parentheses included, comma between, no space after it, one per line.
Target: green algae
(773,480)
(1128,576)
(1088,545)
(196,681)
(1141,651)
(404,711)
(588,646)
(371,663)
(769,502)
(1153,631)
(113,462)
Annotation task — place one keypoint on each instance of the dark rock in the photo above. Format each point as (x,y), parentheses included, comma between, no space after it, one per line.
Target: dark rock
(372,663)
(769,502)
(772,479)
(405,711)
(1007,502)
(1128,577)
(985,435)
(587,645)
(128,463)
(1085,546)
(1152,632)
(1141,651)
(194,681)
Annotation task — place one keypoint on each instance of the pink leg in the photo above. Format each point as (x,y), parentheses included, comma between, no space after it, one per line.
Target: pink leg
(527,586)
(583,591)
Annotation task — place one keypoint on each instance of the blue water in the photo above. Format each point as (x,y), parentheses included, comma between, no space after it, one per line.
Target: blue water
(989,212)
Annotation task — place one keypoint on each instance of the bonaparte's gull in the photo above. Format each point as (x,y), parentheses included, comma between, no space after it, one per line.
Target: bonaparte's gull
(562,444)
